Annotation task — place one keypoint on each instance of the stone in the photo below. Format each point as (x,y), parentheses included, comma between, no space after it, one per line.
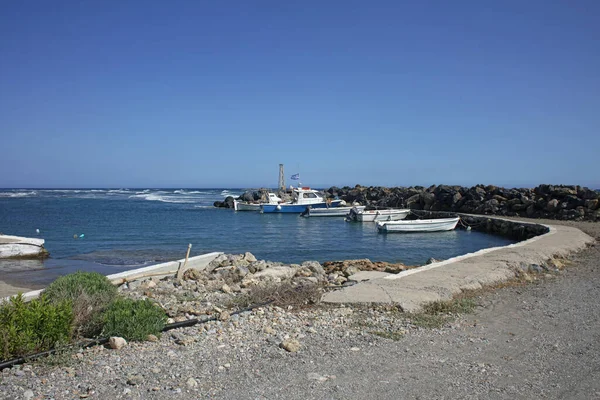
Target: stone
(191,383)
(226,289)
(152,338)
(192,274)
(314,266)
(135,380)
(148,285)
(224,316)
(591,204)
(269,330)
(28,395)
(552,205)
(249,257)
(431,260)
(116,342)
(291,345)
(276,273)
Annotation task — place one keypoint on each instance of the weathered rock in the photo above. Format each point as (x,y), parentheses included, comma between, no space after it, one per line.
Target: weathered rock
(191,383)
(116,342)
(281,273)
(314,266)
(134,380)
(192,274)
(249,257)
(291,345)
(552,205)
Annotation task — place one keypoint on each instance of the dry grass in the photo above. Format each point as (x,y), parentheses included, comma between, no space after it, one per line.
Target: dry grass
(282,295)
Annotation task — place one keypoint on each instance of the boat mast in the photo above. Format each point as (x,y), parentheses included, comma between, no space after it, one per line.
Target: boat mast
(281,178)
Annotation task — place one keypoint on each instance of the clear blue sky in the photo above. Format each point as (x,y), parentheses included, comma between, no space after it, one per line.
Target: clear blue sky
(217,94)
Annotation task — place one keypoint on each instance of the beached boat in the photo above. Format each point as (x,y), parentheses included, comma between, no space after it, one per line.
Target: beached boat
(303,197)
(390,214)
(21,247)
(418,225)
(329,212)
(247,206)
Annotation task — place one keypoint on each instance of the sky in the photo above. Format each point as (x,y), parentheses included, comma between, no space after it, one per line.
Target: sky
(218,94)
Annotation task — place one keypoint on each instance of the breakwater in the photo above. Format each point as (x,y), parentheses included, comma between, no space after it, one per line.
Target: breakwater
(544,201)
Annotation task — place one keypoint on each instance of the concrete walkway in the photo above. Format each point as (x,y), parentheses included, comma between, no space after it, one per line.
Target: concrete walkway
(440,281)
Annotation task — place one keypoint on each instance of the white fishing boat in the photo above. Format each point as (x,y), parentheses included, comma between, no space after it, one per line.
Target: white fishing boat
(302,198)
(329,212)
(418,225)
(247,206)
(21,247)
(390,214)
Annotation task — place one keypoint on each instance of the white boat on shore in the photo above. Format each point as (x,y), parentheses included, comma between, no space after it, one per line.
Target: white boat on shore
(21,247)
(418,225)
(329,212)
(247,206)
(390,214)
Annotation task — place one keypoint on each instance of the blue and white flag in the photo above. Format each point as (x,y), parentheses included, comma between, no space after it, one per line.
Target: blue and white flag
(295,177)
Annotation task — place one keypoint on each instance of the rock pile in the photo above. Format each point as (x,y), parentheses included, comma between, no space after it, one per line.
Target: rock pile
(231,276)
(544,201)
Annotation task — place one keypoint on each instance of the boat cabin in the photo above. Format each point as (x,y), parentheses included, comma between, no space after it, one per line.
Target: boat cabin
(306,195)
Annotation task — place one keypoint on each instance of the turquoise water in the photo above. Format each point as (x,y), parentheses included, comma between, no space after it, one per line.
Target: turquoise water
(128,228)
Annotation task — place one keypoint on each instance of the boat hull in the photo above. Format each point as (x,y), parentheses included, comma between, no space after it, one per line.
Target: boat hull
(382,215)
(296,208)
(239,206)
(330,212)
(419,225)
(21,247)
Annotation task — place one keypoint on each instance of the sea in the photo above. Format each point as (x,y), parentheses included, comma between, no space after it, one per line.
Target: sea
(113,230)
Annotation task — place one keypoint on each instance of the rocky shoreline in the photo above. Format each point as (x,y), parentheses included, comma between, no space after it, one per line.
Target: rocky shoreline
(544,201)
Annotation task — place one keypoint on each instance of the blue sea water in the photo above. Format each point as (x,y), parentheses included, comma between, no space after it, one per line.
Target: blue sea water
(127,228)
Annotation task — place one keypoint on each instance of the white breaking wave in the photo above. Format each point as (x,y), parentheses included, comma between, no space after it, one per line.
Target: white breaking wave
(18,194)
(163,198)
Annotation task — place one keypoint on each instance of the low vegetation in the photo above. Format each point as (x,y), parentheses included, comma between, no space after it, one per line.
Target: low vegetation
(89,293)
(28,327)
(133,319)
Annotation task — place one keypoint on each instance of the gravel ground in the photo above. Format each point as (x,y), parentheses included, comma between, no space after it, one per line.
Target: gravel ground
(535,341)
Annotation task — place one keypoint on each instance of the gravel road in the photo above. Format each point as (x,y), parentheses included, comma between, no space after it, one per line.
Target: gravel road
(541,340)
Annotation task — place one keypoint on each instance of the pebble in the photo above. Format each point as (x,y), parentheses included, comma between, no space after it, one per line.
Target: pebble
(116,342)
(28,395)
(191,383)
(291,345)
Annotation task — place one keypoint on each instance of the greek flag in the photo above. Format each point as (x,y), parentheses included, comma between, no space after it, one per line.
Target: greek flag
(295,177)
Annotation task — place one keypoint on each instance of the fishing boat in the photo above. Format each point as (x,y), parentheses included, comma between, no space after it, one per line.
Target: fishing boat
(248,206)
(390,214)
(21,247)
(302,198)
(418,225)
(329,212)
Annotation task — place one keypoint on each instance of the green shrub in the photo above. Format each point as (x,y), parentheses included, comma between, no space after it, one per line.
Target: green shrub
(90,293)
(31,327)
(133,319)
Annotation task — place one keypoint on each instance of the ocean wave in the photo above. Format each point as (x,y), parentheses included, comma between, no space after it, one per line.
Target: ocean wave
(119,191)
(18,194)
(163,198)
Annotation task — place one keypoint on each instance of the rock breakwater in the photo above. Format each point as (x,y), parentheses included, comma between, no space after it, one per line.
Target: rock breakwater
(544,201)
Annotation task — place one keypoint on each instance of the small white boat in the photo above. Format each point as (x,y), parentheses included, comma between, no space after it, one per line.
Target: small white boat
(418,225)
(21,247)
(247,206)
(390,214)
(329,212)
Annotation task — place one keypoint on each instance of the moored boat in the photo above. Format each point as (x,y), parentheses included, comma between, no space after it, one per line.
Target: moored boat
(21,247)
(247,206)
(303,197)
(390,214)
(418,225)
(329,212)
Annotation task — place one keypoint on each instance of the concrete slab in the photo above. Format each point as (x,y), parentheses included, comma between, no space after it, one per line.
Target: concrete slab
(414,288)
(368,275)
